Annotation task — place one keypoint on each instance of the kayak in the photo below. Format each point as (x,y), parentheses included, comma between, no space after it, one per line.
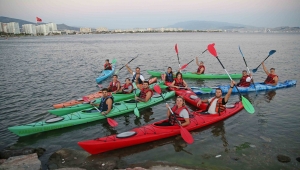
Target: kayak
(251,88)
(153,132)
(84,116)
(94,96)
(107,73)
(199,76)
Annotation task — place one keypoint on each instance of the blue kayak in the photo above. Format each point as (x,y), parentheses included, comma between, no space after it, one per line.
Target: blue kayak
(107,73)
(251,88)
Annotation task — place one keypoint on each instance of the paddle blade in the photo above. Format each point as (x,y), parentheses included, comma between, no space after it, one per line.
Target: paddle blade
(186,135)
(212,50)
(272,52)
(184,66)
(157,89)
(254,70)
(176,48)
(136,112)
(112,122)
(247,105)
(114,61)
(86,99)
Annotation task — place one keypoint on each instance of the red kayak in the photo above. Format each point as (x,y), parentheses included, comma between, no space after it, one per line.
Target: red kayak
(152,132)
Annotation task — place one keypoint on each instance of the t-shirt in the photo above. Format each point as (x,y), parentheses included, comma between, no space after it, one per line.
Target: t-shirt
(212,107)
(128,89)
(141,76)
(184,113)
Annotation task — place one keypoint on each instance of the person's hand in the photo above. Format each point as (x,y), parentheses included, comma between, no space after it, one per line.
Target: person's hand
(103,113)
(136,98)
(167,105)
(199,103)
(262,63)
(232,83)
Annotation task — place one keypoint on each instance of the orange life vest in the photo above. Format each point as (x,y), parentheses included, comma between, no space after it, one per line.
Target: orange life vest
(176,112)
(219,107)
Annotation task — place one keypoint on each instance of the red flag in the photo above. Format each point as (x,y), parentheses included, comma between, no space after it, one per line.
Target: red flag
(38,19)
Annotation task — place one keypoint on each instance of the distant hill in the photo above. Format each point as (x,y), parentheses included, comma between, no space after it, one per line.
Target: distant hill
(207,25)
(22,22)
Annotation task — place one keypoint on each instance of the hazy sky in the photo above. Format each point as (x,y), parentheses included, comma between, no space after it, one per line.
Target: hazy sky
(154,13)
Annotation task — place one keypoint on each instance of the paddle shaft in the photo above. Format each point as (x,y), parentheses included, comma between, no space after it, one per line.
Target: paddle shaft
(263,61)
(171,110)
(204,51)
(128,62)
(247,68)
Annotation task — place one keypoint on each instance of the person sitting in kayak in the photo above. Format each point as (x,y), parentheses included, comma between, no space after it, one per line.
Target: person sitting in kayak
(127,87)
(272,78)
(181,113)
(107,65)
(246,79)
(217,103)
(178,81)
(106,103)
(168,76)
(201,67)
(114,85)
(145,94)
(138,78)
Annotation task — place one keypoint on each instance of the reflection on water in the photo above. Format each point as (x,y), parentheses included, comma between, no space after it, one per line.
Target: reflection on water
(270,95)
(219,130)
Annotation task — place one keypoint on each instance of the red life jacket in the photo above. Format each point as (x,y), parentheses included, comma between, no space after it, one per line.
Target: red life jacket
(107,66)
(243,82)
(269,79)
(178,82)
(219,107)
(125,87)
(199,68)
(113,86)
(144,92)
(176,112)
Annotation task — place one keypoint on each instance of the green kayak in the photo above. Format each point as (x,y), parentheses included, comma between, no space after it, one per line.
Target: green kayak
(199,76)
(78,107)
(84,116)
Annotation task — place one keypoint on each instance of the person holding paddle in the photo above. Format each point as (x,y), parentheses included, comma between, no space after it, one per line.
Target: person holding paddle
(272,78)
(106,103)
(114,85)
(146,93)
(107,65)
(201,67)
(179,82)
(127,87)
(246,79)
(181,113)
(137,77)
(217,103)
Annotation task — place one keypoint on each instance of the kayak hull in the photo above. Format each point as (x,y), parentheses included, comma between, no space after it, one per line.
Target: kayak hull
(152,132)
(106,73)
(251,88)
(84,116)
(198,76)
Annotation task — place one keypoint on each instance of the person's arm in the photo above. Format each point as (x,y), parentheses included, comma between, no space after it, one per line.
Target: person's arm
(173,83)
(185,114)
(197,62)
(265,68)
(229,92)
(109,104)
(201,101)
(168,111)
(148,96)
(201,71)
(276,81)
(118,87)
(185,84)
(129,69)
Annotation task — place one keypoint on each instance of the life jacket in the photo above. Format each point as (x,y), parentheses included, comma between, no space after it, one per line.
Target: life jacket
(269,79)
(125,87)
(178,82)
(103,106)
(219,107)
(107,66)
(243,82)
(176,112)
(199,68)
(169,77)
(139,80)
(113,86)
(144,92)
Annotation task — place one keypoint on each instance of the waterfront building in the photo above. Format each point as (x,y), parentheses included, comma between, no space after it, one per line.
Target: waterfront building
(52,26)
(102,29)
(85,30)
(42,29)
(29,29)
(13,27)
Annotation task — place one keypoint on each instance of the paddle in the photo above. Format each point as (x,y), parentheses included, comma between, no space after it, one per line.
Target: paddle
(184,66)
(247,105)
(110,121)
(136,110)
(125,64)
(113,62)
(185,134)
(176,49)
(270,53)
(247,68)
(204,51)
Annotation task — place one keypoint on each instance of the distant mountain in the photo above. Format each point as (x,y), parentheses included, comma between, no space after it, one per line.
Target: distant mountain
(22,22)
(207,25)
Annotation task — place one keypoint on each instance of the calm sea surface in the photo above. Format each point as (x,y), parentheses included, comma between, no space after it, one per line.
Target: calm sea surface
(37,72)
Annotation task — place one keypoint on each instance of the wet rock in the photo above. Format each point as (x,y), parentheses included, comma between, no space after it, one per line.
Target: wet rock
(283,158)
(6,153)
(23,162)
(2,161)
(298,159)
